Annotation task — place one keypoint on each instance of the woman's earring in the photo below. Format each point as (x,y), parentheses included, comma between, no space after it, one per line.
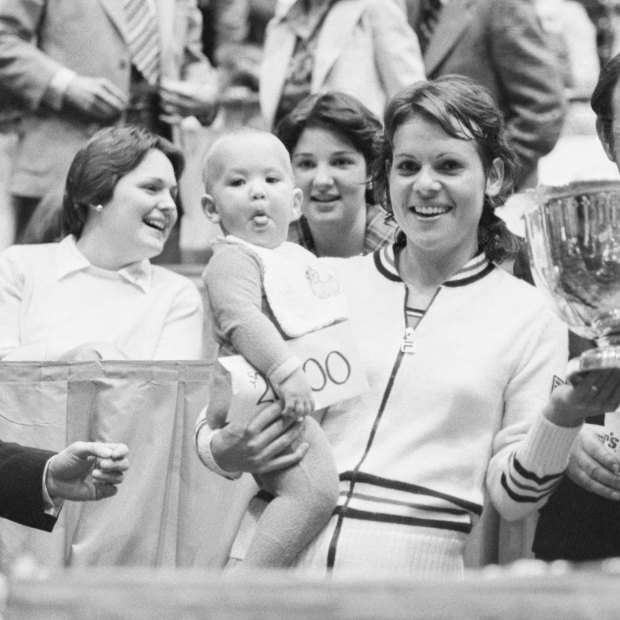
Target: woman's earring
(99,208)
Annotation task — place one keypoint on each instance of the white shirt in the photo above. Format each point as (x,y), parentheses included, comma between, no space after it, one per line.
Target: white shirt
(53,299)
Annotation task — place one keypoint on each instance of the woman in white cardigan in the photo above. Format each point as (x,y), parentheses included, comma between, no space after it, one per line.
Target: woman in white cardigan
(364,48)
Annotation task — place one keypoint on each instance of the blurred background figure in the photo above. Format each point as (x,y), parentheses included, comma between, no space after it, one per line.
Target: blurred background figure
(572,36)
(362,47)
(75,66)
(333,140)
(499,44)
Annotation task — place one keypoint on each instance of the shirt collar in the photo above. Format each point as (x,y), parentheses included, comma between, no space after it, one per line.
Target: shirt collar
(475,269)
(70,260)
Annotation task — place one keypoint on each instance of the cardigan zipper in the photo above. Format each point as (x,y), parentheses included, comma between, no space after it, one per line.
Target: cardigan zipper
(409,332)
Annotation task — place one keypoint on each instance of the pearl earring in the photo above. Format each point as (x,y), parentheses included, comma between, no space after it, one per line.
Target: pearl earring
(99,208)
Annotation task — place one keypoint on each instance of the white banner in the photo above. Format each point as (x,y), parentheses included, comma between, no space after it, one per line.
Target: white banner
(329,358)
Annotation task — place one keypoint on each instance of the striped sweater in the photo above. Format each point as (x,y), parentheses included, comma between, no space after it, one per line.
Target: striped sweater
(455,404)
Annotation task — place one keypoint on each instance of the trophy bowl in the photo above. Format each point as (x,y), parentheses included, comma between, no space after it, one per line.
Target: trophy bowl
(573,235)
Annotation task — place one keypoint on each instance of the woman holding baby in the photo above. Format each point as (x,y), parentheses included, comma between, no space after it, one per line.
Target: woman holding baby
(461,358)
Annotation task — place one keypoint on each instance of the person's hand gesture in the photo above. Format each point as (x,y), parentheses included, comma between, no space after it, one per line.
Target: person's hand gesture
(97,98)
(180,99)
(87,471)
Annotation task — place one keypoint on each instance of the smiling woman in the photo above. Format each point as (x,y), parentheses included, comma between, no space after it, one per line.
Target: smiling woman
(460,357)
(332,139)
(95,294)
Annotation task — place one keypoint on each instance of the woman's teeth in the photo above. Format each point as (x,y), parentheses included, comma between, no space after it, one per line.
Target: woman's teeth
(157,224)
(430,211)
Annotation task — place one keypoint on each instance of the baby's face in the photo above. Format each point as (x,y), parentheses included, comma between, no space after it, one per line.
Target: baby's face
(252,195)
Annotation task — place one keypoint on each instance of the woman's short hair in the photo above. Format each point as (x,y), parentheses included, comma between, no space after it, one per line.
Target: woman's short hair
(467,111)
(337,112)
(109,155)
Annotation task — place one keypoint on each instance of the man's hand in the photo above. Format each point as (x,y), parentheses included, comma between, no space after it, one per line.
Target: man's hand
(97,98)
(87,471)
(592,466)
(180,99)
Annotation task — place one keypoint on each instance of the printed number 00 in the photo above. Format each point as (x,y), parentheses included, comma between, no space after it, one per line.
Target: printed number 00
(327,371)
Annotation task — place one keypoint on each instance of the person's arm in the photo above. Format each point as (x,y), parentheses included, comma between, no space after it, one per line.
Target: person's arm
(21,491)
(530,81)
(181,335)
(234,288)
(268,443)
(530,454)
(195,93)
(397,51)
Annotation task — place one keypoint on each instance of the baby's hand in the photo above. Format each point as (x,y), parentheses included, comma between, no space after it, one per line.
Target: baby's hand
(296,393)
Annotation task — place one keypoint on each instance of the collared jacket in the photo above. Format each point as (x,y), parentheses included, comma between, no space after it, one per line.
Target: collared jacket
(38,38)
(365,48)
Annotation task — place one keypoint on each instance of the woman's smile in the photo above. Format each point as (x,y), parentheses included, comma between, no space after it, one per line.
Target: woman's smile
(430,211)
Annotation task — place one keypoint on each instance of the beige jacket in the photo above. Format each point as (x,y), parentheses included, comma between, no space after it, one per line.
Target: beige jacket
(39,37)
(365,48)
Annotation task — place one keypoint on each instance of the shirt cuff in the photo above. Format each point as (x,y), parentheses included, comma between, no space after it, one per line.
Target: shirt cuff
(50,506)
(54,96)
(204,435)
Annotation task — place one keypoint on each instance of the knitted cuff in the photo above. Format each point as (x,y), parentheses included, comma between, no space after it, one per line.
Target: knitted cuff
(547,446)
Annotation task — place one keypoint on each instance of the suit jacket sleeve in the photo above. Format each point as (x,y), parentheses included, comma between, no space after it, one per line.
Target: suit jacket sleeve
(397,49)
(21,493)
(25,71)
(196,66)
(531,81)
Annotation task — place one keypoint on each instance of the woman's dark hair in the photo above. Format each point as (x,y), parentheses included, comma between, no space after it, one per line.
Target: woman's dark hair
(467,111)
(602,98)
(97,167)
(337,112)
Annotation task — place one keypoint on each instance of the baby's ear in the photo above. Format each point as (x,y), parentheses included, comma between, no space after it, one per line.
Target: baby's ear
(298,196)
(208,206)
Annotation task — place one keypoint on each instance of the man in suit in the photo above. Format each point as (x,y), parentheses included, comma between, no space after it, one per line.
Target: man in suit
(77,65)
(499,44)
(34,482)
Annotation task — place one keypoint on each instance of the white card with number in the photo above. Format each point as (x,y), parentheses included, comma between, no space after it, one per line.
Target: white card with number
(329,358)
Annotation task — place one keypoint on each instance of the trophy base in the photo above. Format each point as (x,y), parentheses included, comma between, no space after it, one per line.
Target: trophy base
(602,358)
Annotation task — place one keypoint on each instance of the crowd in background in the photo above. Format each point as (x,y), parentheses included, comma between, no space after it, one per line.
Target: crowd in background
(580,35)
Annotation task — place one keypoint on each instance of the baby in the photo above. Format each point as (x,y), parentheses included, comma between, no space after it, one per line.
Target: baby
(262,290)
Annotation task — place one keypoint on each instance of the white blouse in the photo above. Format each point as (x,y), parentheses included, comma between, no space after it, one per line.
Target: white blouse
(53,299)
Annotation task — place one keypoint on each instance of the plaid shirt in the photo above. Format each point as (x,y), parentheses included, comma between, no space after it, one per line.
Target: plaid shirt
(378,232)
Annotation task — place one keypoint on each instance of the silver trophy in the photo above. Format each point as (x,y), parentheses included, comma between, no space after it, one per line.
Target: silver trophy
(573,234)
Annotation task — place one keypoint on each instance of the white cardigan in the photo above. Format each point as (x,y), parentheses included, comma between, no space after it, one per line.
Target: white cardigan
(461,413)
(365,48)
